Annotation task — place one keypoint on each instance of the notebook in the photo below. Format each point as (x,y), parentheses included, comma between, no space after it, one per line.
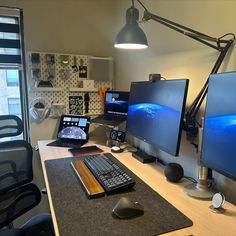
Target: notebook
(72,132)
(115,108)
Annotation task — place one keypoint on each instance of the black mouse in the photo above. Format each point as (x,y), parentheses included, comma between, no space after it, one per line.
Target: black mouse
(127,208)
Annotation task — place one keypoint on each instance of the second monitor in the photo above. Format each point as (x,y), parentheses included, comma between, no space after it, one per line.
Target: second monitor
(156,111)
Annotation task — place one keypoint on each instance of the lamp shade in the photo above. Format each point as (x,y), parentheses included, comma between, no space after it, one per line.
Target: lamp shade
(131,35)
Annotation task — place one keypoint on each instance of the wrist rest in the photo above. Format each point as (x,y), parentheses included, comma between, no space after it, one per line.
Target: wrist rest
(90,184)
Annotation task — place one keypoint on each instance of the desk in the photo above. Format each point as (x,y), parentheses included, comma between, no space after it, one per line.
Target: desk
(205,222)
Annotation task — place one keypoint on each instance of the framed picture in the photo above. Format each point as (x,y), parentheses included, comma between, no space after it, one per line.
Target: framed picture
(76,105)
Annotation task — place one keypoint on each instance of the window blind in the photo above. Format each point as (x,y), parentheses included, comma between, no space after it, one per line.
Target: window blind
(10,38)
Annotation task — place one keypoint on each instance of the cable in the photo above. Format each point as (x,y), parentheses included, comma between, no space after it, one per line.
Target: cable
(142,5)
(228,35)
(191,179)
(132,3)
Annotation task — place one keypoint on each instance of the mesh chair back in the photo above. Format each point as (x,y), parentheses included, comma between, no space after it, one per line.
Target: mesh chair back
(18,201)
(10,125)
(15,164)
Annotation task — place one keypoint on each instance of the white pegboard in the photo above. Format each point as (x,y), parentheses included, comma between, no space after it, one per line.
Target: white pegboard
(72,81)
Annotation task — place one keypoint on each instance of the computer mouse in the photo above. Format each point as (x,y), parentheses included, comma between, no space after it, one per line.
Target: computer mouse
(116,149)
(127,208)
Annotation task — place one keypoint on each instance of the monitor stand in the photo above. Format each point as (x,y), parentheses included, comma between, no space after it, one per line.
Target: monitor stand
(201,189)
(143,157)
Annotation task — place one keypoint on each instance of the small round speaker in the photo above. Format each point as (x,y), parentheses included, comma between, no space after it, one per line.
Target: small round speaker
(174,172)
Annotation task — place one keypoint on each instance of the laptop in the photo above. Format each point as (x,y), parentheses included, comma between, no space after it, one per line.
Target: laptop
(72,132)
(115,109)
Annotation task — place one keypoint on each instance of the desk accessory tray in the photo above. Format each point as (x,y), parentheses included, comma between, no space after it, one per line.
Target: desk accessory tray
(77,215)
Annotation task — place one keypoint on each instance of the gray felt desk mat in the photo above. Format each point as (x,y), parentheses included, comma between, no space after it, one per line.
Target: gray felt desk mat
(77,215)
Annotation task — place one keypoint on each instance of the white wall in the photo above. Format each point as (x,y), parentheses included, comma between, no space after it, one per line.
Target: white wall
(177,56)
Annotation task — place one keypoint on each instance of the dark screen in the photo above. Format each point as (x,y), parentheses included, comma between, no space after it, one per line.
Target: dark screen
(74,127)
(156,111)
(116,103)
(219,134)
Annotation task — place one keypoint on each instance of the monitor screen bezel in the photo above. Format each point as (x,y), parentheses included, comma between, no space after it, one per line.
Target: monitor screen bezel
(202,161)
(176,152)
(105,107)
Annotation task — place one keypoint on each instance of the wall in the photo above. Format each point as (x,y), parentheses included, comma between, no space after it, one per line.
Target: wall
(176,56)
(64,26)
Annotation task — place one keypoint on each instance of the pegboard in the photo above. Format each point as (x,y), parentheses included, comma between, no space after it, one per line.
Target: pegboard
(65,78)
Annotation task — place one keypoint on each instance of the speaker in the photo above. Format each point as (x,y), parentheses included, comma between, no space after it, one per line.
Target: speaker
(117,135)
(174,172)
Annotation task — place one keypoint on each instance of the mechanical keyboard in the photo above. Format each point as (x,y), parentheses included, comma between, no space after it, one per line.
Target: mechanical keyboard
(108,173)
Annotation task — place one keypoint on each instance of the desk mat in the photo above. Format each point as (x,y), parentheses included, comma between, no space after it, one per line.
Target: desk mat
(77,215)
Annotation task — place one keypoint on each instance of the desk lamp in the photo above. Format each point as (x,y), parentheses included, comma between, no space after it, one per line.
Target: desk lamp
(131,36)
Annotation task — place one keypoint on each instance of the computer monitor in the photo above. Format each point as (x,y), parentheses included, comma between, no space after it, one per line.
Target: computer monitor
(156,112)
(116,103)
(219,132)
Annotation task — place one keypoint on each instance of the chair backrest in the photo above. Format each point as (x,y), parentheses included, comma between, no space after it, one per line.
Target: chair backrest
(10,125)
(15,156)
(18,201)
(15,164)
(17,194)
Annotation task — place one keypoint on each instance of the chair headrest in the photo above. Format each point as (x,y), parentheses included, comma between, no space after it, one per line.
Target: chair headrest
(10,125)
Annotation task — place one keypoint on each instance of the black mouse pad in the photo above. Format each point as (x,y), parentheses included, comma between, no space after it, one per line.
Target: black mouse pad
(77,215)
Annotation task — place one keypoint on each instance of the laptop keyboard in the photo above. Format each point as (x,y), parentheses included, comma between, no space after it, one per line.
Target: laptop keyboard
(115,117)
(60,143)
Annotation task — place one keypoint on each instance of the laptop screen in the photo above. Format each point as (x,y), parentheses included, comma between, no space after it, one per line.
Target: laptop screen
(74,127)
(116,103)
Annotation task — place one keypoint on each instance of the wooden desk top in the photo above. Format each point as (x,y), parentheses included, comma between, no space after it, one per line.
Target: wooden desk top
(205,222)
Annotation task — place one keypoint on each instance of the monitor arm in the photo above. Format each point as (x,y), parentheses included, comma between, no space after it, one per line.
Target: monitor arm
(220,44)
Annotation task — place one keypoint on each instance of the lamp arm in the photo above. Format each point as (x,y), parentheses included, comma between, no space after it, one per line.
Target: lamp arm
(212,42)
(194,108)
(220,44)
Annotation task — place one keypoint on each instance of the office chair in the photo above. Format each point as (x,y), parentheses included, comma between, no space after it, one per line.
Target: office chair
(17,194)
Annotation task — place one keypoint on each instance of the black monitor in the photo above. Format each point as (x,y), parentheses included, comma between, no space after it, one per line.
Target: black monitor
(219,133)
(155,113)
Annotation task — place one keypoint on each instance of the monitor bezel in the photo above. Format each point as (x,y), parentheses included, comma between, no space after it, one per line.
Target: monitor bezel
(111,91)
(212,77)
(176,153)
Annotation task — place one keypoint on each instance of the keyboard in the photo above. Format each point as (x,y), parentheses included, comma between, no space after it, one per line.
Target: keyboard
(108,173)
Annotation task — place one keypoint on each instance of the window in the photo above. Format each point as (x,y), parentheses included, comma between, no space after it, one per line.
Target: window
(12,78)
(10,50)
(14,106)
(13,85)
